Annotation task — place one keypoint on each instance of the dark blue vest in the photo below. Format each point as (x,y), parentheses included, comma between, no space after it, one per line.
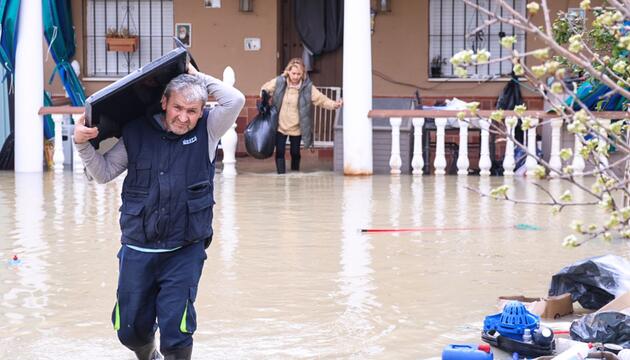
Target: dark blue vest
(167,196)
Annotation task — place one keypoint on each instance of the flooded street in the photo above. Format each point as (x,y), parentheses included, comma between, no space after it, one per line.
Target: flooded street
(289,274)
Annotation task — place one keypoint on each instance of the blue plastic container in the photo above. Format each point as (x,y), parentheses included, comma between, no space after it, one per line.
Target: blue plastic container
(512,321)
(465,352)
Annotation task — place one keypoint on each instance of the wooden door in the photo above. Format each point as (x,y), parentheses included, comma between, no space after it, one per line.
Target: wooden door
(327,68)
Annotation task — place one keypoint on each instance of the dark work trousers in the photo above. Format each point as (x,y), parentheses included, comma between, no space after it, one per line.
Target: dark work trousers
(162,287)
(281,141)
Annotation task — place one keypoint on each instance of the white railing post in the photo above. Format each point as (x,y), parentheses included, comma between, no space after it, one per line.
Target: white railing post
(77,164)
(578,163)
(394,160)
(508,160)
(58,157)
(554,160)
(417,162)
(229,140)
(484,155)
(531,162)
(462,156)
(603,158)
(440,157)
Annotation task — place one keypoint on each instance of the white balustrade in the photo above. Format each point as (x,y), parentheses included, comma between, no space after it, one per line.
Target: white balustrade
(77,164)
(484,155)
(58,157)
(508,160)
(531,162)
(578,163)
(230,139)
(462,156)
(440,157)
(394,160)
(554,160)
(417,162)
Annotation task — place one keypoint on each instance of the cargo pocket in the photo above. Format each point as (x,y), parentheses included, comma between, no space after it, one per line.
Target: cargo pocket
(131,220)
(188,324)
(199,218)
(143,173)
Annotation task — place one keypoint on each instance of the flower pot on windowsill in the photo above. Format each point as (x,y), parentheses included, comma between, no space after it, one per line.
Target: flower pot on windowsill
(127,44)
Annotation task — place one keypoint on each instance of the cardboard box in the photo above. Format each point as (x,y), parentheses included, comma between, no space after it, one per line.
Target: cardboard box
(551,307)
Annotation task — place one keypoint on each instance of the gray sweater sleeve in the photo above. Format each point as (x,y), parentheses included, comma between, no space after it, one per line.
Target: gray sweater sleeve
(103,167)
(224,114)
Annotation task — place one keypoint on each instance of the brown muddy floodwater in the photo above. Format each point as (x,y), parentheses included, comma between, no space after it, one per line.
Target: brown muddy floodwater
(289,275)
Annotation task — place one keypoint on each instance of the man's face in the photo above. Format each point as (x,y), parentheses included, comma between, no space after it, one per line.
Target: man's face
(181,115)
(182,32)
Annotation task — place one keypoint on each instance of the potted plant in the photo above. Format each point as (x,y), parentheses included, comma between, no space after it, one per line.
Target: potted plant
(436,66)
(121,40)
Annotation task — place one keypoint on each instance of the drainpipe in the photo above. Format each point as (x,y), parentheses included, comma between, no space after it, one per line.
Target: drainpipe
(357,88)
(29,89)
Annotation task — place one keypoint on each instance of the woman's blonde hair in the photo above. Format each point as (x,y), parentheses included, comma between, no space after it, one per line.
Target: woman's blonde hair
(293,63)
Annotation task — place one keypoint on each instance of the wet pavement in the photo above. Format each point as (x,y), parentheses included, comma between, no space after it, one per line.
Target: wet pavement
(289,274)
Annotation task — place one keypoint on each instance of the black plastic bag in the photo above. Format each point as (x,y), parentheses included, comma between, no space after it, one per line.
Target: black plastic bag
(606,327)
(593,282)
(260,134)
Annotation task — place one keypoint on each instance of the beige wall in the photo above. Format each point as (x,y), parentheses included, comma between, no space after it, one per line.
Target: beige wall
(399,46)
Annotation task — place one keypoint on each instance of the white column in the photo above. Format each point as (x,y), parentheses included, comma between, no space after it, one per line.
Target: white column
(462,156)
(484,154)
(530,162)
(508,160)
(58,157)
(357,88)
(394,160)
(77,164)
(554,160)
(440,157)
(578,163)
(417,162)
(229,139)
(29,89)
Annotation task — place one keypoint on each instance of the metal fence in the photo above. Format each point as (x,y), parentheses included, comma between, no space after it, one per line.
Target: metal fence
(324,120)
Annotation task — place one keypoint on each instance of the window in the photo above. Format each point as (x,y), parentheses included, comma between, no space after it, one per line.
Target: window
(450,21)
(150,20)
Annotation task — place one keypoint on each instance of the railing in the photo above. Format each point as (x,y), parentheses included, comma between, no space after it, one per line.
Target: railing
(324,120)
(441,118)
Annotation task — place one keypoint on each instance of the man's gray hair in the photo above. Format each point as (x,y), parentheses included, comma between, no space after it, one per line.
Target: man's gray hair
(191,87)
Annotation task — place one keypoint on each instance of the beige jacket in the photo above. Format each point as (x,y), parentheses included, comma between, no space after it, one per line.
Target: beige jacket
(289,118)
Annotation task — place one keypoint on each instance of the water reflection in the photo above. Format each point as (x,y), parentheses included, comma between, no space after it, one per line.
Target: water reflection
(229,234)
(394,202)
(417,192)
(355,278)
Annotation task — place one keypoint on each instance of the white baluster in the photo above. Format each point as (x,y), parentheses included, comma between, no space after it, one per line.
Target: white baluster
(530,162)
(394,160)
(578,163)
(462,156)
(605,124)
(554,160)
(230,139)
(417,162)
(58,157)
(77,164)
(508,160)
(484,155)
(440,158)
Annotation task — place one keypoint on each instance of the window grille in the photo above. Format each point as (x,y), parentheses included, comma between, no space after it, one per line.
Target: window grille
(450,21)
(150,20)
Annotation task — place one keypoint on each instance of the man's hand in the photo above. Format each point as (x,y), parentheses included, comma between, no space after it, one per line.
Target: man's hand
(192,70)
(83,133)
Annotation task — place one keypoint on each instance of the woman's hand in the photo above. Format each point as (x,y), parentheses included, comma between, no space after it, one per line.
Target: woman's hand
(83,133)
(338,104)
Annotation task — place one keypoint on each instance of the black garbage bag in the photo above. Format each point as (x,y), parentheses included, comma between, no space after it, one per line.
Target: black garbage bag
(603,327)
(260,134)
(7,153)
(593,282)
(510,98)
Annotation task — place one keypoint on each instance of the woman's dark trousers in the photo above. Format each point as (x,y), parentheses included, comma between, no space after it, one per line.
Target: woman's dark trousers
(281,142)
